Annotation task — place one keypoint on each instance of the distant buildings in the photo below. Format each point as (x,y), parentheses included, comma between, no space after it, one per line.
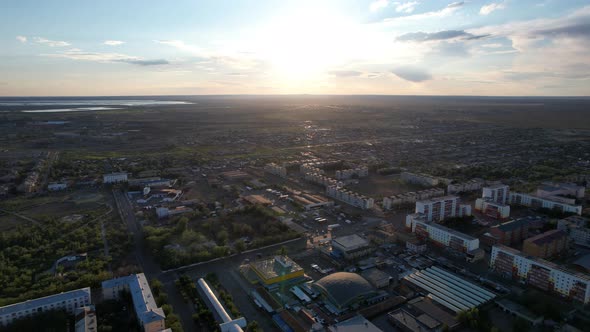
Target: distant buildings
(114,178)
(546,245)
(350,198)
(556,191)
(471,185)
(275,169)
(423,179)
(440,234)
(576,228)
(440,208)
(149,316)
(351,246)
(492,209)
(68,301)
(539,202)
(164,212)
(310,201)
(540,273)
(360,172)
(411,197)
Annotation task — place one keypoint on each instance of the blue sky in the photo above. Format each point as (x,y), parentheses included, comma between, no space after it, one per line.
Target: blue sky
(499,47)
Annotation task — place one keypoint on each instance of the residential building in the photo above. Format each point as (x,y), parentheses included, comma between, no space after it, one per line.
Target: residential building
(440,208)
(440,234)
(577,228)
(114,178)
(511,232)
(360,172)
(498,193)
(275,169)
(550,189)
(85,318)
(539,202)
(423,179)
(416,246)
(411,197)
(226,323)
(350,198)
(351,246)
(471,185)
(68,301)
(492,209)
(149,316)
(546,245)
(540,273)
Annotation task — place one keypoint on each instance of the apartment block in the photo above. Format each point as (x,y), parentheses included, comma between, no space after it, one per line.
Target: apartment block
(539,202)
(576,228)
(546,245)
(492,209)
(440,234)
(511,232)
(440,208)
(350,198)
(471,185)
(411,197)
(540,273)
(499,193)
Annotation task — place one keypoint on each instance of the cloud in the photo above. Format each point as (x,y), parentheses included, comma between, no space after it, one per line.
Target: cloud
(345,73)
(444,12)
(377,5)
(141,62)
(179,44)
(21,39)
(489,8)
(51,43)
(405,7)
(492,45)
(436,36)
(113,42)
(412,74)
(77,54)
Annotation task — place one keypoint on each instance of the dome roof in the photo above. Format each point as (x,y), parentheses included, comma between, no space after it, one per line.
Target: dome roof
(344,288)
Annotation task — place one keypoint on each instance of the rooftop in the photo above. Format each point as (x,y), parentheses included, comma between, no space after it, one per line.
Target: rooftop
(512,225)
(30,304)
(268,267)
(546,237)
(352,241)
(354,324)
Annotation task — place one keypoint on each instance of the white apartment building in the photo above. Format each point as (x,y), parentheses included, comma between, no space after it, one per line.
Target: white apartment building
(576,228)
(471,185)
(440,234)
(67,301)
(423,179)
(276,169)
(149,315)
(499,193)
(440,208)
(348,173)
(114,177)
(321,179)
(492,209)
(539,202)
(411,197)
(549,189)
(540,273)
(350,198)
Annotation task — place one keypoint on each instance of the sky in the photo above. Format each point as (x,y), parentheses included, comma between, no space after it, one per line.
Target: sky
(189,47)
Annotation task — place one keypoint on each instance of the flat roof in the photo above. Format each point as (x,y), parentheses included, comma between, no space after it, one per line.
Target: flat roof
(449,290)
(546,237)
(266,267)
(352,241)
(511,225)
(355,324)
(47,300)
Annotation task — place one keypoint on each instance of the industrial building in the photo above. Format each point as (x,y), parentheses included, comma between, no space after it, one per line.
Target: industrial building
(498,193)
(540,202)
(351,246)
(275,271)
(540,273)
(347,290)
(226,323)
(546,245)
(149,316)
(114,178)
(310,201)
(576,228)
(354,324)
(449,290)
(440,234)
(67,301)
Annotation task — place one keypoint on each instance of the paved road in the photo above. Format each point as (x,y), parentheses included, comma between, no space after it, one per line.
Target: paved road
(148,265)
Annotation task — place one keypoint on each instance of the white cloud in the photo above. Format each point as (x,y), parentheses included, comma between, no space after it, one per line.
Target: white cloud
(489,8)
(446,11)
(77,54)
(21,39)
(405,7)
(493,45)
(378,5)
(113,42)
(51,43)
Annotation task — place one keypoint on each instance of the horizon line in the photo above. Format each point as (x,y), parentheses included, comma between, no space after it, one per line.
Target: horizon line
(296,95)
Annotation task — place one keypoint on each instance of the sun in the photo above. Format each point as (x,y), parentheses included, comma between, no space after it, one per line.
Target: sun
(304,45)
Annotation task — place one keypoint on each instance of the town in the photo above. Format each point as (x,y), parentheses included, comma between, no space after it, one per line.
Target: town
(297,214)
